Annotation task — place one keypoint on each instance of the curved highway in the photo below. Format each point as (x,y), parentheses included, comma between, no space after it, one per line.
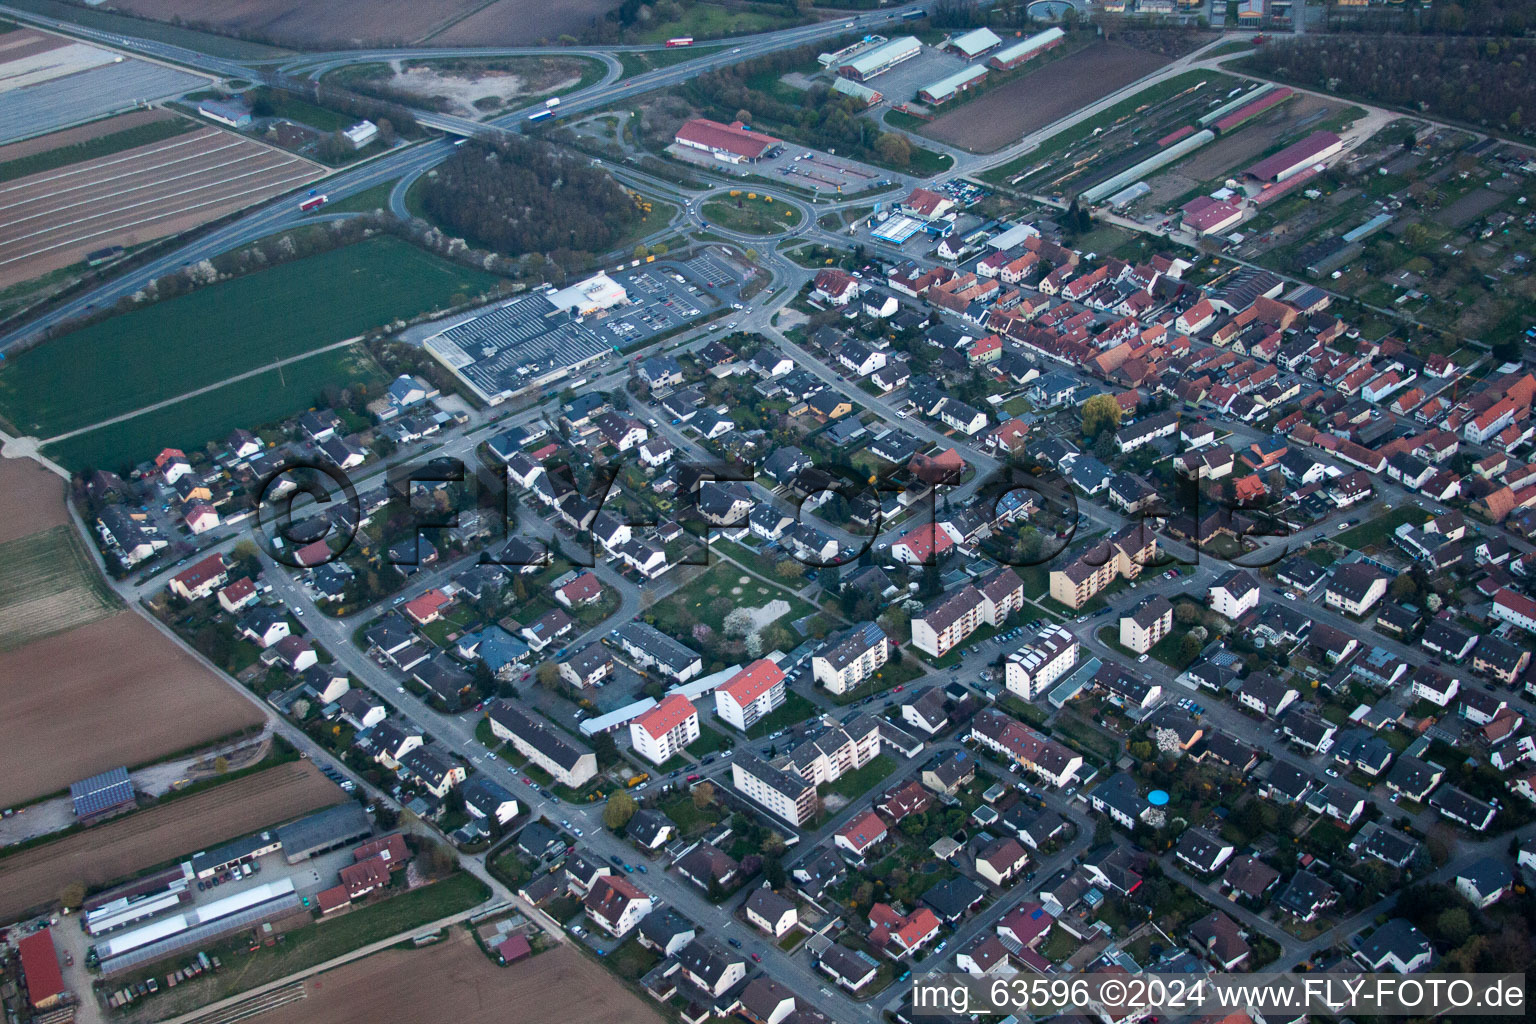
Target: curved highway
(279,214)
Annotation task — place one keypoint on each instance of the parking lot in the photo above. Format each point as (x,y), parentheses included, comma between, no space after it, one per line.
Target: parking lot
(799,166)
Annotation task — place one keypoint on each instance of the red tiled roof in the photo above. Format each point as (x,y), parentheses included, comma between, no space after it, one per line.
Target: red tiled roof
(427,605)
(925,541)
(752,682)
(673,711)
(40,965)
(196,575)
(733,138)
(863,831)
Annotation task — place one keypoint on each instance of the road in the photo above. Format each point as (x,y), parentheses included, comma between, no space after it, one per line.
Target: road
(406,160)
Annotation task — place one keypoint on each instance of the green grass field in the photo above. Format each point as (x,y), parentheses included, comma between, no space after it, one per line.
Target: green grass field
(170,348)
(637,62)
(712,21)
(93,149)
(266,397)
(760,216)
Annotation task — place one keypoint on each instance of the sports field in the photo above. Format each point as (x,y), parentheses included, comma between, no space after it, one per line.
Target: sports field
(174,347)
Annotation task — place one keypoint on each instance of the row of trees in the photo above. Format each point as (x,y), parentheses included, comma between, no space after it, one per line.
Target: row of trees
(519,196)
(267,99)
(1480,82)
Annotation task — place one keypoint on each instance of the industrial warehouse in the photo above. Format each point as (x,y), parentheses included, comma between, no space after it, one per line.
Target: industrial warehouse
(545,336)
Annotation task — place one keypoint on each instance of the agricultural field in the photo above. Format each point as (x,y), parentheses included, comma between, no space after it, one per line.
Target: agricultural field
(522,22)
(173,701)
(48,586)
(125,846)
(54,82)
(89,141)
(267,396)
(1113,131)
(53,218)
(307,25)
(107,21)
(557,987)
(30,499)
(1026,104)
(117,365)
(474,88)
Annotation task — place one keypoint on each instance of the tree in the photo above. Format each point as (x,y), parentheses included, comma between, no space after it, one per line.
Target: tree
(738,622)
(548,675)
(73,895)
(1454,926)
(221,764)
(894,148)
(619,809)
(1186,613)
(774,873)
(789,569)
(1100,413)
(1102,833)
(703,794)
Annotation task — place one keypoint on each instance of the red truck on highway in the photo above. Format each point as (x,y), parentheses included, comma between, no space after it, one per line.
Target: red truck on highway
(313,203)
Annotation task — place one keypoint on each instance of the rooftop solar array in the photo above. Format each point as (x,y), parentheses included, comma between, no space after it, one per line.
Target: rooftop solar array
(101,792)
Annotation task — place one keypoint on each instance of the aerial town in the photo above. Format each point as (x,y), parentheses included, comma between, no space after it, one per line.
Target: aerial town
(701,510)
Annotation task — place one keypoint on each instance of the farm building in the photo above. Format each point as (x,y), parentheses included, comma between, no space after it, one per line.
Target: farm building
(158,940)
(102,794)
(230,112)
(859,91)
(40,967)
(732,143)
(881,59)
(323,831)
(974,43)
(1295,158)
(1010,57)
(1204,215)
(950,86)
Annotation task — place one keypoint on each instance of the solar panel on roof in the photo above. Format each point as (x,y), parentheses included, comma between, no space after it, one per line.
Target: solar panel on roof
(101,792)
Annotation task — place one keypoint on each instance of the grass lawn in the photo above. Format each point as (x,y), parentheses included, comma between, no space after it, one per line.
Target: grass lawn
(93,149)
(1087,738)
(267,397)
(859,781)
(791,941)
(366,201)
(793,711)
(328,939)
(752,214)
(651,221)
(688,818)
(631,960)
(708,742)
(639,62)
(712,595)
(759,562)
(1377,531)
(172,347)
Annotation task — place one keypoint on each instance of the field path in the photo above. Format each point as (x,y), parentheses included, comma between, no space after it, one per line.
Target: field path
(228,1009)
(204,389)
